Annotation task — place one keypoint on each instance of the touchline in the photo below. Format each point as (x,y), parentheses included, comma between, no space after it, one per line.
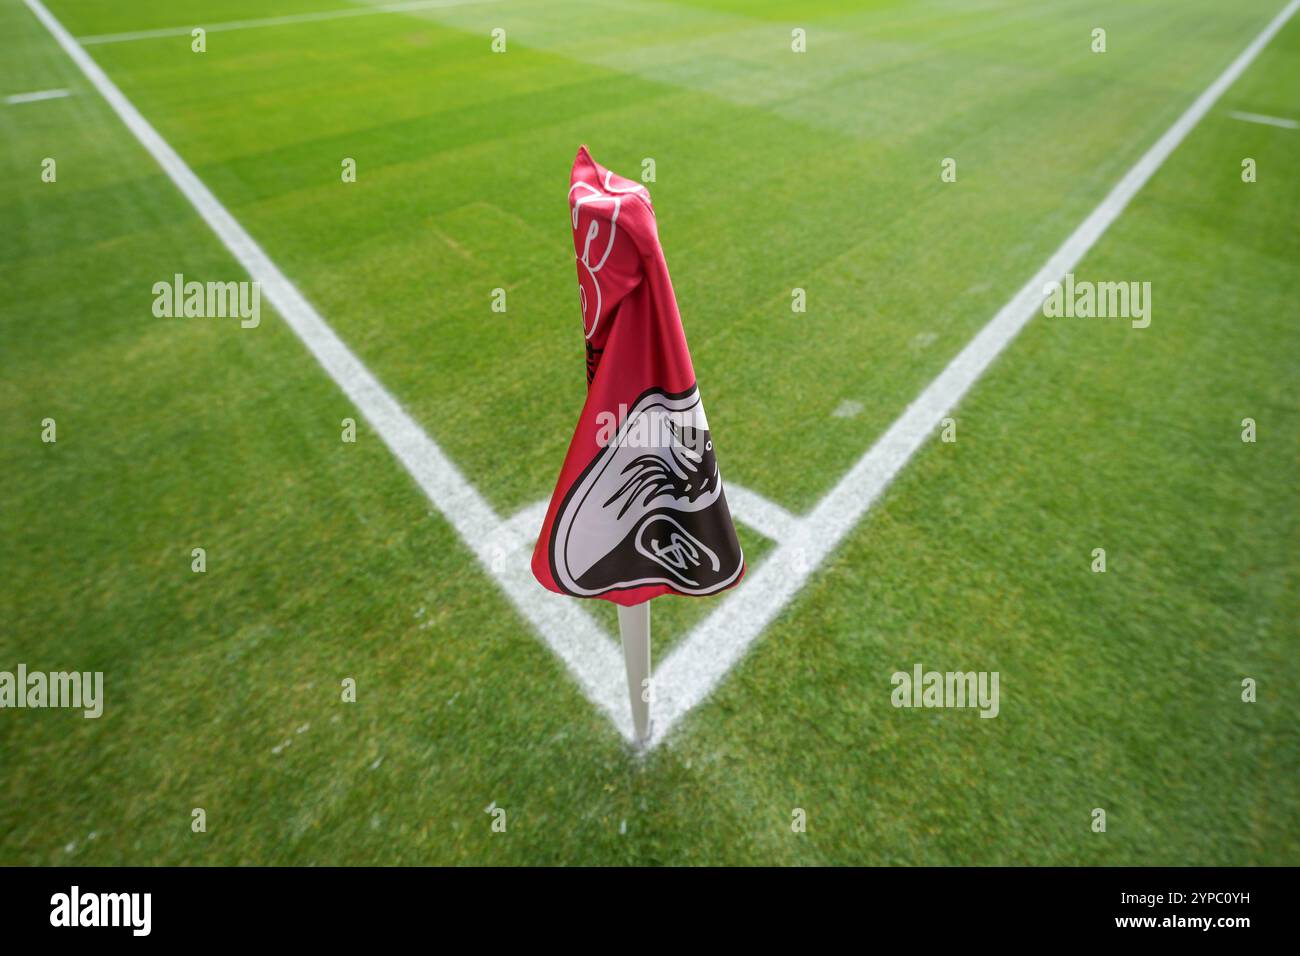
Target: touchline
(84,691)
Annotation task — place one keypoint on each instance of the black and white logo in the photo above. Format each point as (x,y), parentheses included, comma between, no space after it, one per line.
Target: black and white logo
(649,509)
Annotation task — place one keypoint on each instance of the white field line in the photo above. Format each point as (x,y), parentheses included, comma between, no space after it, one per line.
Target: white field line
(694,668)
(37,96)
(762,514)
(1265,120)
(596,664)
(286,20)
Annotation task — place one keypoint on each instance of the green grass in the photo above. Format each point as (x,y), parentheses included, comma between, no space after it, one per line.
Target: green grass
(775,170)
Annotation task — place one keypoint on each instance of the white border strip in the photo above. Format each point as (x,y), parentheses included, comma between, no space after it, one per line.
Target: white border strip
(762,514)
(1265,120)
(694,668)
(286,20)
(593,660)
(37,96)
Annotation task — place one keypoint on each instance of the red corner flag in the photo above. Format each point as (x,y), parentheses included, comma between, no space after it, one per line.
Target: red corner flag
(639,509)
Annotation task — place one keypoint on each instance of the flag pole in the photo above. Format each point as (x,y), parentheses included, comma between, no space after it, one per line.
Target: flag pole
(634,627)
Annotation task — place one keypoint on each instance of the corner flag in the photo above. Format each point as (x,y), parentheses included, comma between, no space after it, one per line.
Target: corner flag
(639,509)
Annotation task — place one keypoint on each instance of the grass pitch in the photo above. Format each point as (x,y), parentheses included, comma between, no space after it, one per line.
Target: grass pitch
(774,170)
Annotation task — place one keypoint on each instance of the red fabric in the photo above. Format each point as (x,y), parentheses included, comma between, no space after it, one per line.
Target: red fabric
(670,520)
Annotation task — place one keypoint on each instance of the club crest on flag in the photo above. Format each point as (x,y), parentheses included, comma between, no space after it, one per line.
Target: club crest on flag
(641,512)
(639,509)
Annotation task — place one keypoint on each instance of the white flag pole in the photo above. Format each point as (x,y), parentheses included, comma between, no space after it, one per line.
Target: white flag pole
(634,626)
